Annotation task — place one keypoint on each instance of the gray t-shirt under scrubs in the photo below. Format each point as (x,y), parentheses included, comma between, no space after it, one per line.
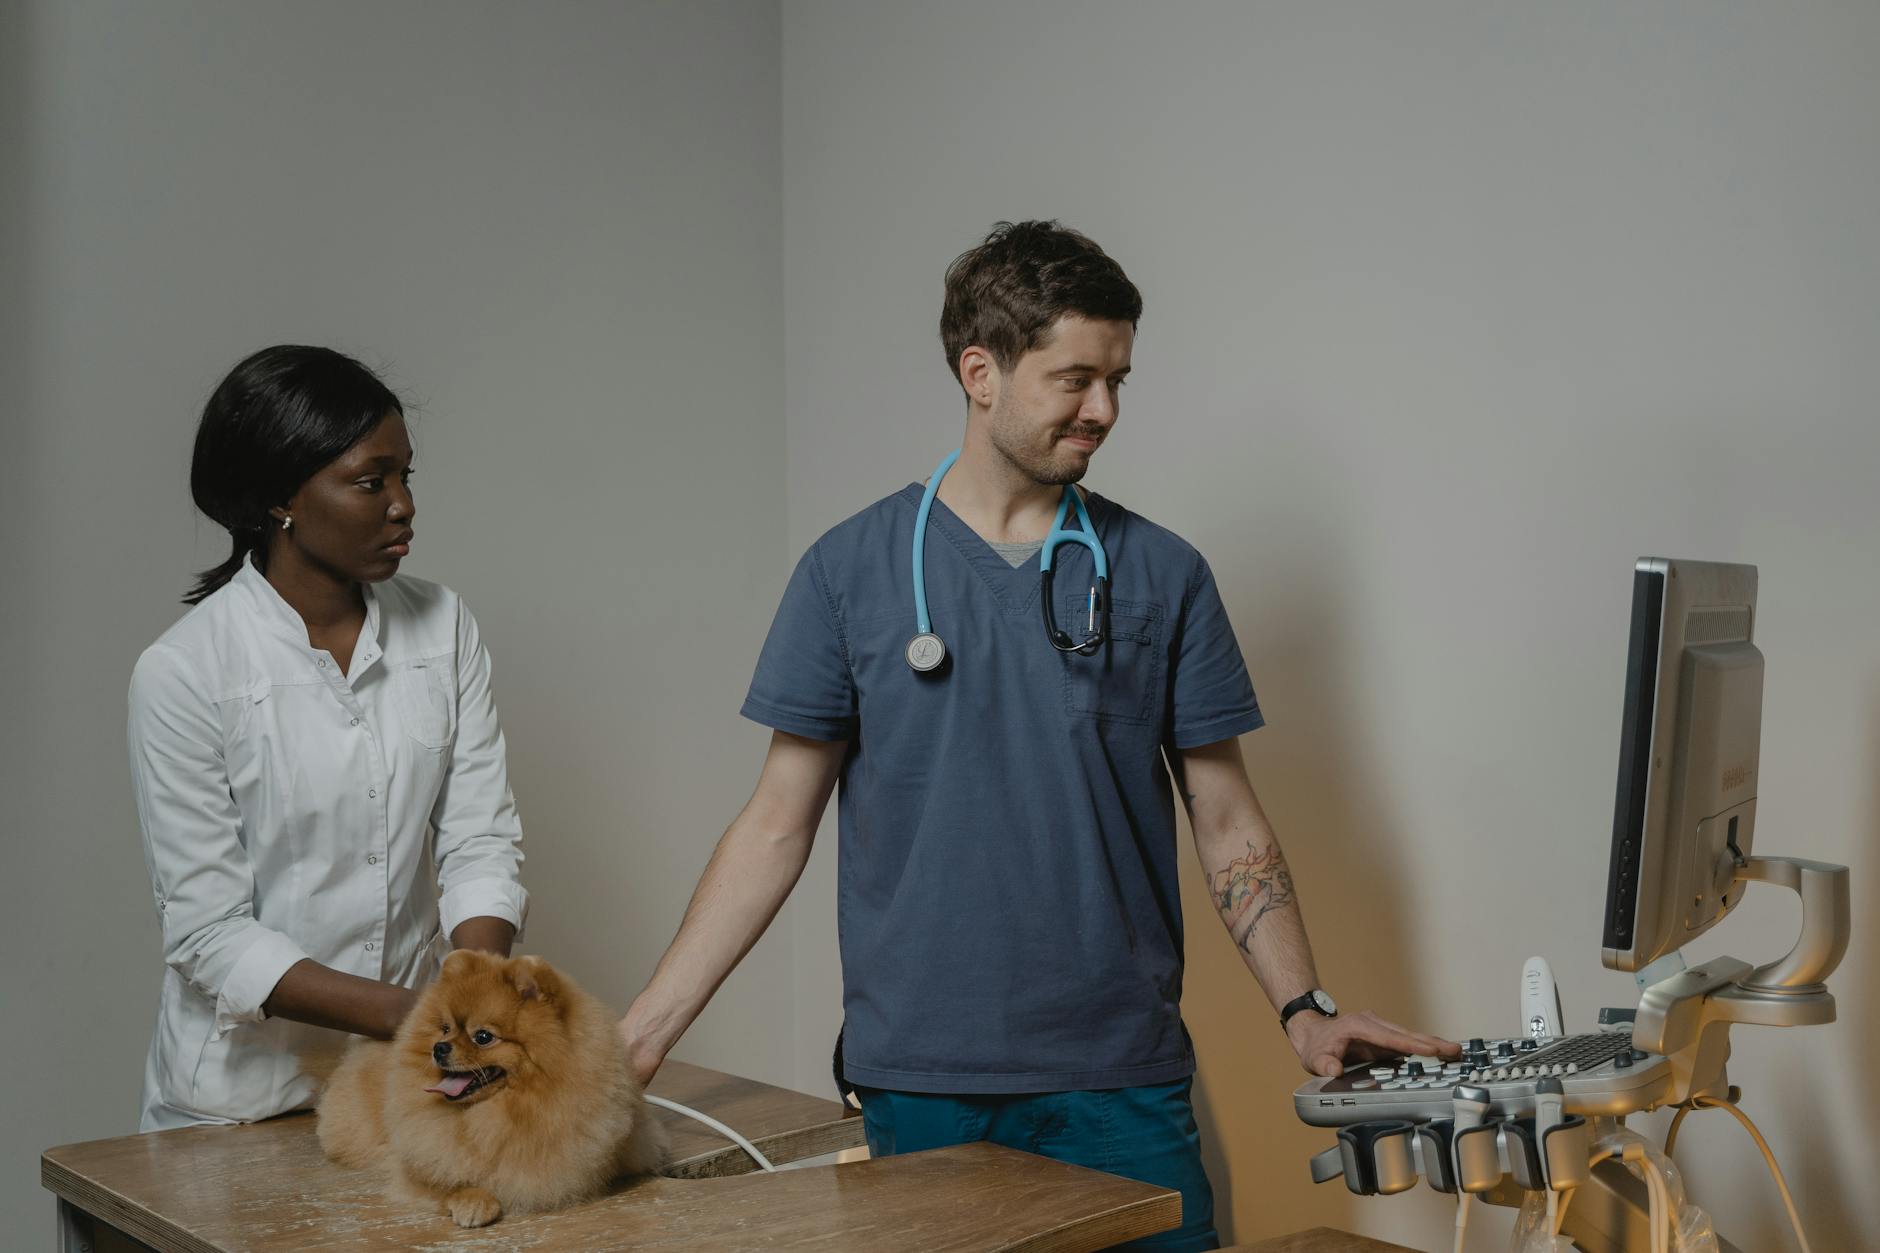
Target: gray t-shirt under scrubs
(1008,909)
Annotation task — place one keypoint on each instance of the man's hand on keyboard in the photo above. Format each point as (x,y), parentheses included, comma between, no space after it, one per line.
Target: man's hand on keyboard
(1325,1045)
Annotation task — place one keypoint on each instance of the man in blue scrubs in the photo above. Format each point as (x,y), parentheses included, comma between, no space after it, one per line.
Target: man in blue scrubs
(1009,911)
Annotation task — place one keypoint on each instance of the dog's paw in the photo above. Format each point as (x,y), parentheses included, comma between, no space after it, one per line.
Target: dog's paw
(473,1207)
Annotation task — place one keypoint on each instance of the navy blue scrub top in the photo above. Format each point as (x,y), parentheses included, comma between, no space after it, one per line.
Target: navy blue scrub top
(1008,908)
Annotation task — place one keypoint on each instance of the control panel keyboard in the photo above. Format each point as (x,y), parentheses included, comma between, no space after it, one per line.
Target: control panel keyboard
(1601,1073)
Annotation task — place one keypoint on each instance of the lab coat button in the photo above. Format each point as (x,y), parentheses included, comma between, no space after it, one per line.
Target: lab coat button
(372,792)
(369,946)
(372,859)
(355,722)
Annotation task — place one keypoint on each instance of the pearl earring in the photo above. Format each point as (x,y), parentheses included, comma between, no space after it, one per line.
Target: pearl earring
(287,523)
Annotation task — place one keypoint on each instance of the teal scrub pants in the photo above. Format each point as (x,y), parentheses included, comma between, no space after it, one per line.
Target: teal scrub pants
(1147,1134)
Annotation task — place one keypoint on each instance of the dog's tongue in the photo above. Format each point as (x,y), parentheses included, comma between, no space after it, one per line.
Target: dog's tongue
(451,1085)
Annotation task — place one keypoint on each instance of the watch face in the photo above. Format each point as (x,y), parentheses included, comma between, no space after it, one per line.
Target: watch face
(1324,1001)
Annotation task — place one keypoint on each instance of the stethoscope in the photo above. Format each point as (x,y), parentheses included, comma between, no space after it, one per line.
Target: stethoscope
(926,652)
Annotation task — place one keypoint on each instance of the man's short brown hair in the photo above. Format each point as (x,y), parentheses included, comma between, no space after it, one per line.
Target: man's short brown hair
(1006,293)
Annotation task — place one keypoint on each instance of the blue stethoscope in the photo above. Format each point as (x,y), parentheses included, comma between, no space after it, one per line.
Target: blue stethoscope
(926,652)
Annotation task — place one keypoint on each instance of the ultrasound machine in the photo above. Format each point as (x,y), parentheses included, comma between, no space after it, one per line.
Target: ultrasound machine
(1541,1112)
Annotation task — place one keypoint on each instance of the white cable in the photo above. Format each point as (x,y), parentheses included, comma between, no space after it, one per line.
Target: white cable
(1462,1220)
(1655,1188)
(1634,1152)
(1666,1218)
(715,1125)
(1671,1132)
(1769,1158)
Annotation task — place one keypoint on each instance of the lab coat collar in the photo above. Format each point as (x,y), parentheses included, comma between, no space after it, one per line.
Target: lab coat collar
(281,617)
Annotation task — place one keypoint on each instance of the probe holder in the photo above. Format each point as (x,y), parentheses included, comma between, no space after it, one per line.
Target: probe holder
(1377,1157)
(1436,1154)
(1478,1156)
(1565,1149)
(1524,1154)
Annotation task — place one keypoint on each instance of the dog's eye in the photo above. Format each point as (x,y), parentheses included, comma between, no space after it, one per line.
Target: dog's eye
(483,1039)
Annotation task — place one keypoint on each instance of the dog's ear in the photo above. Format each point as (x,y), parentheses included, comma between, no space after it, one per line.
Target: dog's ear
(534,980)
(462,961)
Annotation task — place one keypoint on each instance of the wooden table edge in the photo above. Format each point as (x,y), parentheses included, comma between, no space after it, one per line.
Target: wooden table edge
(113,1209)
(1148,1209)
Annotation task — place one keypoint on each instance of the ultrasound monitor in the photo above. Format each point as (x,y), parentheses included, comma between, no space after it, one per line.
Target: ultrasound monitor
(1685,814)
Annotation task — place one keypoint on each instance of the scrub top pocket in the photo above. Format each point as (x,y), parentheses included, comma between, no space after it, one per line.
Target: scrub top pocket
(1122,681)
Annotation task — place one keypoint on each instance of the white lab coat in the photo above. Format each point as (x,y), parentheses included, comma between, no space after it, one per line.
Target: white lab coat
(292,811)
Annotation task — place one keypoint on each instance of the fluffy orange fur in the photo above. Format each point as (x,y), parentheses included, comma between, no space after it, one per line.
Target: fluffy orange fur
(532,1106)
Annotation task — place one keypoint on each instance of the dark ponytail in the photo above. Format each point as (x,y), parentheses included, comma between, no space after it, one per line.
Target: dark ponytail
(215,576)
(277,418)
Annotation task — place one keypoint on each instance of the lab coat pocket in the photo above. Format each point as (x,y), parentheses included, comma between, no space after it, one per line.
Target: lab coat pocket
(424,691)
(238,1074)
(1121,681)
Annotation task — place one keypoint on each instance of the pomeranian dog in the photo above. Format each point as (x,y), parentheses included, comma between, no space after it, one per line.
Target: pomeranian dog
(505,1090)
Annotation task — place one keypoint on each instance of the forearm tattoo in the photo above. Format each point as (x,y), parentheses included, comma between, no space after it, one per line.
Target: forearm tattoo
(1248,889)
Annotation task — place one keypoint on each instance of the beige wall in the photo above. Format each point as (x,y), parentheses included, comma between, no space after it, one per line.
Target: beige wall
(1452,312)
(560,237)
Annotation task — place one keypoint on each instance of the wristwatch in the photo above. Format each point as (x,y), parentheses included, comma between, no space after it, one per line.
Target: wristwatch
(1317,999)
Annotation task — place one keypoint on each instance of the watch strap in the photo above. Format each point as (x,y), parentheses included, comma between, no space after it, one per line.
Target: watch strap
(1305,1000)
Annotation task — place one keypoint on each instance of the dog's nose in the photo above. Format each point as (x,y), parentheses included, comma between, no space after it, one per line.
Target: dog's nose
(440,1052)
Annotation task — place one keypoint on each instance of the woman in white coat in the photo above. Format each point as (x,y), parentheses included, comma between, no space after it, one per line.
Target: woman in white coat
(314,750)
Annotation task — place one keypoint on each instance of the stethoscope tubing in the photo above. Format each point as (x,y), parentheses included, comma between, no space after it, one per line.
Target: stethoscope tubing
(1095,635)
(920,541)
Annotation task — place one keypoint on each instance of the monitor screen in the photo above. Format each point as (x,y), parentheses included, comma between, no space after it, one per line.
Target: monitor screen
(1685,813)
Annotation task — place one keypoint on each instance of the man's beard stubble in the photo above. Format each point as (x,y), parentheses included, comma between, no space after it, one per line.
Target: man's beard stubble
(1008,438)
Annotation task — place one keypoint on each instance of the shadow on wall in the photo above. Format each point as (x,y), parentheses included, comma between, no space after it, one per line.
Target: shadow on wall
(1341,838)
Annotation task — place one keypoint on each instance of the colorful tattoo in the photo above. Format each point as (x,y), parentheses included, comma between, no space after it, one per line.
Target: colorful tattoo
(1249,889)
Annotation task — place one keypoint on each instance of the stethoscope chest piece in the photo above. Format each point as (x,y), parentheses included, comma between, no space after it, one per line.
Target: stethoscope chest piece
(925,653)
